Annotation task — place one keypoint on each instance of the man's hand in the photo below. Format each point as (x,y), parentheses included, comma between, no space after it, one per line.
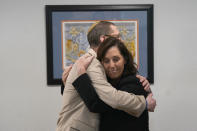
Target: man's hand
(83,62)
(151,102)
(66,73)
(145,83)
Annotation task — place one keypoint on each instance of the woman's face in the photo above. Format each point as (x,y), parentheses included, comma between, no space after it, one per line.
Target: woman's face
(113,63)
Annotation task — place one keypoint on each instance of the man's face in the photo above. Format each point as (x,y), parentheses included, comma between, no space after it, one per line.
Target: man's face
(115,32)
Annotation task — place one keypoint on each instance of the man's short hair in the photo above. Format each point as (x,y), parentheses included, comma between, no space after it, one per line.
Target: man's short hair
(98,29)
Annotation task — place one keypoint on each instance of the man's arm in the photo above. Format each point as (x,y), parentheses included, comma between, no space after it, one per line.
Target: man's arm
(130,103)
(121,100)
(87,92)
(91,99)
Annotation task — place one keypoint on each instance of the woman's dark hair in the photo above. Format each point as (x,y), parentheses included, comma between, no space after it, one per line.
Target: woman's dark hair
(130,66)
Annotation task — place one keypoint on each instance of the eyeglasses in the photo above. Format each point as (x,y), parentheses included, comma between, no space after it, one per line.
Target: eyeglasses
(115,36)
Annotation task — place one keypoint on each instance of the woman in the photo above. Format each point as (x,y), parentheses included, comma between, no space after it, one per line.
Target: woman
(121,73)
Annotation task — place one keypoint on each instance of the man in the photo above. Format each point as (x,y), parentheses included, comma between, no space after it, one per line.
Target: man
(75,116)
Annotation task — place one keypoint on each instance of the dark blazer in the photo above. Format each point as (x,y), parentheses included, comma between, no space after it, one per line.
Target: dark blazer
(62,88)
(113,119)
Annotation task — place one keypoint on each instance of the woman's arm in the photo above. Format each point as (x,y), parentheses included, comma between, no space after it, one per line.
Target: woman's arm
(87,92)
(64,77)
(62,88)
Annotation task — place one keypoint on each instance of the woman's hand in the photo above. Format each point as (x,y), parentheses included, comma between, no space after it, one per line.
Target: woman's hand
(66,73)
(83,62)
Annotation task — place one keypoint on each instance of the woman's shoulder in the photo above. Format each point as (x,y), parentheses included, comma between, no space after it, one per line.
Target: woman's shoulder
(131,84)
(132,79)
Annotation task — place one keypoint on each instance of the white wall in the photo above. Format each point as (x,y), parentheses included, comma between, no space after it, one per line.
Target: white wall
(28,104)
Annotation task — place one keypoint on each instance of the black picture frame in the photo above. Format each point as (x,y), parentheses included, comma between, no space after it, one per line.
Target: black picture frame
(54,53)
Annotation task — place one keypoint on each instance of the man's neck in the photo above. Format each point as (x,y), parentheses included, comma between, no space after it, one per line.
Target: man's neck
(95,49)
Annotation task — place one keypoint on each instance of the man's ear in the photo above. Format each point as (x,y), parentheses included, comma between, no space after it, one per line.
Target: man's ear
(102,38)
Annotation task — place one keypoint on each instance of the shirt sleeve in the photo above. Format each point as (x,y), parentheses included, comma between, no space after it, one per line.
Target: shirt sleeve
(88,94)
(121,100)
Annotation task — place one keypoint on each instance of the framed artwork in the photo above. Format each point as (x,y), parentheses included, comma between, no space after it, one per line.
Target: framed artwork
(67,27)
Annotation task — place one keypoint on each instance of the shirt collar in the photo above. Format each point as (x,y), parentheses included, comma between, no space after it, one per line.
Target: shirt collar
(92,52)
